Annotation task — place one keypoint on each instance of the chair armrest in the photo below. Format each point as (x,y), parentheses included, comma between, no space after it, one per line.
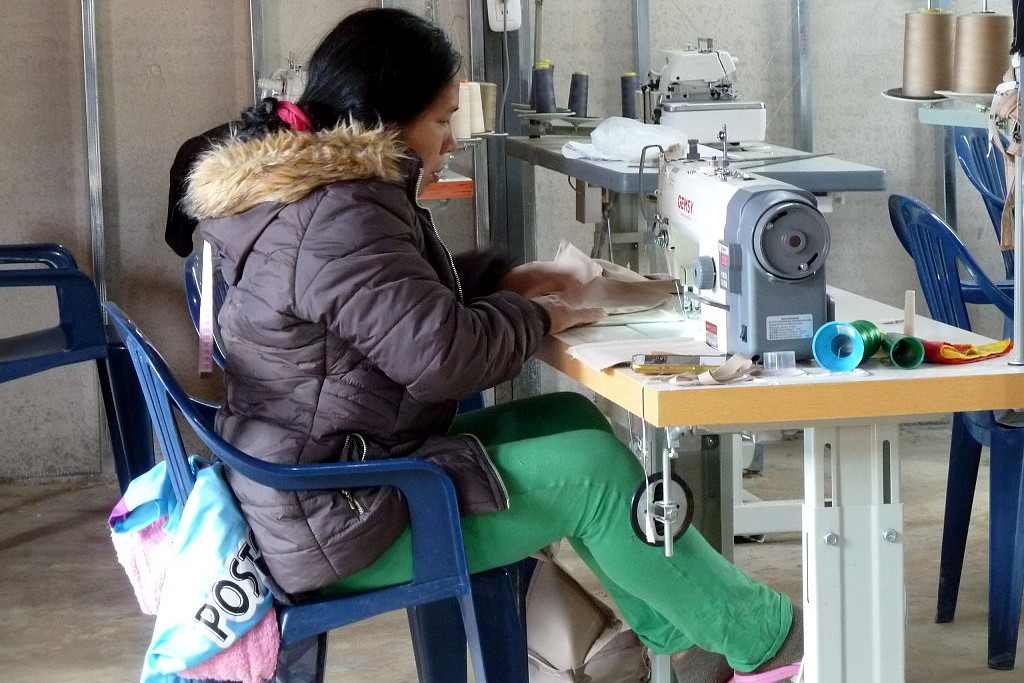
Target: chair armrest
(428,491)
(77,301)
(51,254)
(205,411)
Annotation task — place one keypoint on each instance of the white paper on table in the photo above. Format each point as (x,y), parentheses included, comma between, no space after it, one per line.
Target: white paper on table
(607,354)
(604,347)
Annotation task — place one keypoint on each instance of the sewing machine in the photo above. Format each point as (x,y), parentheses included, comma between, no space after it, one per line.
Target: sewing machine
(694,93)
(751,250)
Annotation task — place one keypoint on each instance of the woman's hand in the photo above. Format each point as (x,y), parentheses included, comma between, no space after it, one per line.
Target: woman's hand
(538,278)
(563,316)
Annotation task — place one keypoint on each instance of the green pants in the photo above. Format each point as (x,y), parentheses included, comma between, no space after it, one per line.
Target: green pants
(569,477)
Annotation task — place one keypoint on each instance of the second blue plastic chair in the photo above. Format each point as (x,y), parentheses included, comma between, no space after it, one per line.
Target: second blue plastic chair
(79,335)
(983,165)
(938,252)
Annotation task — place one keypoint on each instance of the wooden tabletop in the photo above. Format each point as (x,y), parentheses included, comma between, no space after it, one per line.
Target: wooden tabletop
(877,392)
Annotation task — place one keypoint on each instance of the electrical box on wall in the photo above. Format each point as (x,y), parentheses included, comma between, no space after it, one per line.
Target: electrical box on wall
(504,15)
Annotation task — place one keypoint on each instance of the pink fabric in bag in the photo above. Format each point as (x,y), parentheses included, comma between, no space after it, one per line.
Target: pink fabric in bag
(145,554)
(250,659)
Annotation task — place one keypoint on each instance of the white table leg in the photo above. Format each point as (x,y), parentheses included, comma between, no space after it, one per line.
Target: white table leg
(752,516)
(853,555)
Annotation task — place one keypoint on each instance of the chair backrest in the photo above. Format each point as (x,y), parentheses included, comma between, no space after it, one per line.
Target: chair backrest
(984,166)
(193,274)
(49,254)
(439,562)
(982,163)
(79,334)
(938,253)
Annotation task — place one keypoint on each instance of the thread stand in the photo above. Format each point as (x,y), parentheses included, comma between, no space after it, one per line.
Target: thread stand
(543,123)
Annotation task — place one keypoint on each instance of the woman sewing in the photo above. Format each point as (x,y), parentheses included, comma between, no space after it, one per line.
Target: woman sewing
(351,332)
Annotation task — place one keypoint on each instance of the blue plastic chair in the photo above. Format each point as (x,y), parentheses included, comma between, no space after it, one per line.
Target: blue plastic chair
(439,563)
(937,251)
(79,335)
(983,165)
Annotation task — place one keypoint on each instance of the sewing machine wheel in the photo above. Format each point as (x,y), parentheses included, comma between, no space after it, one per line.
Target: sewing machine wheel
(650,493)
(791,241)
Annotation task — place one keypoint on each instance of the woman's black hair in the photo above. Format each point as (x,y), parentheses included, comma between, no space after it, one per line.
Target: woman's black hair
(259,120)
(378,66)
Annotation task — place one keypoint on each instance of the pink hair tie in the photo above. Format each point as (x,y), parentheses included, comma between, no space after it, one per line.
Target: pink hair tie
(293,116)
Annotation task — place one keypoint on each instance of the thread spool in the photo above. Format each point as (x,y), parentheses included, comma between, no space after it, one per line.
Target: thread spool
(927,52)
(539,64)
(460,122)
(841,347)
(838,347)
(981,51)
(579,87)
(476,109)
(904,352)
(489,105)
(543,89)
(629,85)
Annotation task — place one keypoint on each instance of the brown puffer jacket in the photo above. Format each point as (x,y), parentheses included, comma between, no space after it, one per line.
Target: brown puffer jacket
(350,336)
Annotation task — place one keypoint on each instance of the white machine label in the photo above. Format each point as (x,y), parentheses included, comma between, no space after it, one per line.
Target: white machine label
(711,334)
(781,327)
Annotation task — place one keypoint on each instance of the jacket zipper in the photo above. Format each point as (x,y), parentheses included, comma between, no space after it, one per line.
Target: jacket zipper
(506,501)
(437,235)
(354,504)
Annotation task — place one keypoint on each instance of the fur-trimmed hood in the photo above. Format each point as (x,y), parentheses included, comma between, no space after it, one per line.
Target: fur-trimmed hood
(285,166)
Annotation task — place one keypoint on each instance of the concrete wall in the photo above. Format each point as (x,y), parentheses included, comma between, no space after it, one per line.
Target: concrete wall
(171,69)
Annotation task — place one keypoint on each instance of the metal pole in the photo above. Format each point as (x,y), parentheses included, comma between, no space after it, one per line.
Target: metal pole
(1017,354)
(92,136)
(538,11)
(259,55)
(642,26)
(803,128)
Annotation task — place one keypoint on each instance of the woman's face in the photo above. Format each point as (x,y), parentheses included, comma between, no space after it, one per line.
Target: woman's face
(430,133)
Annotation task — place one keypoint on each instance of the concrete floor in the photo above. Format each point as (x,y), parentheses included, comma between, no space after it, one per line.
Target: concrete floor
(69,614)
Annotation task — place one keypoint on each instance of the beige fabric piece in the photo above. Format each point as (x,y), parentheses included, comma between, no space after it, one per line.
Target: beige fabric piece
(738,368)
(609,286)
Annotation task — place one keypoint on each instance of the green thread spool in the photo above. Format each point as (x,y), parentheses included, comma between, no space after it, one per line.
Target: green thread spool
(870,334)
(904,352)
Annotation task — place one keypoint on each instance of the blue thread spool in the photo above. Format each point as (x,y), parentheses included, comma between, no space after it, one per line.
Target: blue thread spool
(630,84)
(838,347)
(544,89)
(578,93)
